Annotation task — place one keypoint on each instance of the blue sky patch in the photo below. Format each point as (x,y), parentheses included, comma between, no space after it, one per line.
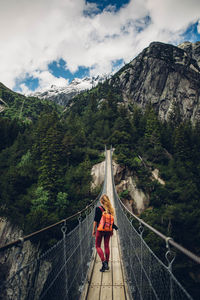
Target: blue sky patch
(117,64)
(59,69)
(102,4)
(191,34)
(30,82)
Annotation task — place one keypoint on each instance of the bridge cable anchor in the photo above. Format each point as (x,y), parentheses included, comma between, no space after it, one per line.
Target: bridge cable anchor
(79,218)
(141,229)
(169,255)
(64,228)
(20,253)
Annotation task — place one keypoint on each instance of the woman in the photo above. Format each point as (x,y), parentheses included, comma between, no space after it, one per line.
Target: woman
(107,207)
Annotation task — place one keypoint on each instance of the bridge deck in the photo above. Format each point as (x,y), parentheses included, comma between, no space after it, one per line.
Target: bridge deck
(110,284)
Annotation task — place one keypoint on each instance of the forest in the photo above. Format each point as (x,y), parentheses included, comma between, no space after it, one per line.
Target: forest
(46,156)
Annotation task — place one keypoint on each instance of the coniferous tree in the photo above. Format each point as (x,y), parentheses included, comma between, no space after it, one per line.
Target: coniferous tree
(152,131)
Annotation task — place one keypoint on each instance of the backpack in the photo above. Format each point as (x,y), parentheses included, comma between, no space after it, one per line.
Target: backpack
(106,221)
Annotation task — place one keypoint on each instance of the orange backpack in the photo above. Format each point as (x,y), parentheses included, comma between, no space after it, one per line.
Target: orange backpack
(106,221)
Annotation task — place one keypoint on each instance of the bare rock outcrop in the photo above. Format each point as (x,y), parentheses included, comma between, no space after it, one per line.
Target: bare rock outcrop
(166,76)
(14,259)
(98,172)
(155,176)
(137,201)
(118,172)
(193,50)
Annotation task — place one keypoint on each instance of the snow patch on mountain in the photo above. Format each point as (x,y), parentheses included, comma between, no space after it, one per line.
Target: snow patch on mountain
(62,94)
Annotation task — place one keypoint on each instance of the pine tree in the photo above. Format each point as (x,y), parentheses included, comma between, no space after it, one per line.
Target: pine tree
(182,141)
(50,177)
(152,131)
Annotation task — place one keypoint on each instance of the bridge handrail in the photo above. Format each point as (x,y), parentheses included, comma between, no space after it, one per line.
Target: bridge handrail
(168,240)
(29,236)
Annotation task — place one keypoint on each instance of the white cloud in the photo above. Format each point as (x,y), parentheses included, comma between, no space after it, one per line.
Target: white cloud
(198,27)
(46,79)
(35,33)
(173,15)
(24,89)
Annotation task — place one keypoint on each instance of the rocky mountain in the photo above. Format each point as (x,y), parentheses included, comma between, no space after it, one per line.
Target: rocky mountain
(166,76)
(11,260)
(193,49)
(62,95)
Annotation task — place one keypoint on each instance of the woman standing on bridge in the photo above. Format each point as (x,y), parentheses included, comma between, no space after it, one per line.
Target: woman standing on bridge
(107,211)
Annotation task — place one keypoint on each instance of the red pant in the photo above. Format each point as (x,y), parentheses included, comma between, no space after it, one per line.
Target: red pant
(106,235)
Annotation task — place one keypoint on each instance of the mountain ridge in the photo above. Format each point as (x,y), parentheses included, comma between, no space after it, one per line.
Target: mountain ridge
(163,75)
(61,95)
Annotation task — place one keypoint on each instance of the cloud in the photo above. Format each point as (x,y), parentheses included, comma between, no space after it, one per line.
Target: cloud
(198,27)
(35,33)
(173,15)
(45,80)
(24,89)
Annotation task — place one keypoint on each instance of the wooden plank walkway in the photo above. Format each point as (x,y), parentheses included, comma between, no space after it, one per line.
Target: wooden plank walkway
(111,284)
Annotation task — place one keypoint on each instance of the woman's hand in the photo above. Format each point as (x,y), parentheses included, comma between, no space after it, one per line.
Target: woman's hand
(93,233)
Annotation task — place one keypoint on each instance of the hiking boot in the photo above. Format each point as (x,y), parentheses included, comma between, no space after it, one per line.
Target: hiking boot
(104,266)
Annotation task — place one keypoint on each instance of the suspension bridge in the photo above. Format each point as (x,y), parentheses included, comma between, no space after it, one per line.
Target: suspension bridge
(69,270)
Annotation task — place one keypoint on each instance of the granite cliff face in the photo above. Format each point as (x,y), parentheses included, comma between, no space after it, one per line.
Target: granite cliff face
(15,258)
(98,172)
(166,76)
(193,50)
(137,201)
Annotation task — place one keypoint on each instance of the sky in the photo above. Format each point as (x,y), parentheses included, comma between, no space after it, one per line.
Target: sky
(51,42)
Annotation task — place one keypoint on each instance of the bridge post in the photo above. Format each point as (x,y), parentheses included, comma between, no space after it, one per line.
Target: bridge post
(141,229)
(64,230)
(87,224)
(20,258)
(81,253)
(170,257)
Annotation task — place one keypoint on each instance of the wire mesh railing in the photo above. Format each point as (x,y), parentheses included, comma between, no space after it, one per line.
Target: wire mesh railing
(60,272)
(147,276)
